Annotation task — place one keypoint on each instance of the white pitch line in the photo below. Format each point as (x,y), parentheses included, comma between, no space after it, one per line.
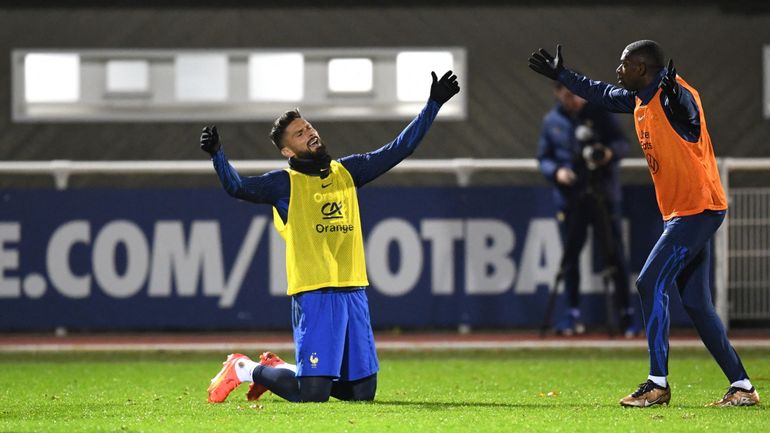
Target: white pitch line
(384,345)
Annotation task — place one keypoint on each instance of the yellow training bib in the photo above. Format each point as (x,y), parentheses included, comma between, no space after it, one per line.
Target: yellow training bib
(324,243)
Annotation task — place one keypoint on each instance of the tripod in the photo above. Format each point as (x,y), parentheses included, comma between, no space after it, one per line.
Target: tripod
(602,224)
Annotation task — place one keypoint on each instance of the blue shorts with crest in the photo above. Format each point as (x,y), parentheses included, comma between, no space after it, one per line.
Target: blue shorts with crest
(333,334)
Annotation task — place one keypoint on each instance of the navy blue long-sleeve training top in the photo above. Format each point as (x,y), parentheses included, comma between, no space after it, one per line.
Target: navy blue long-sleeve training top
(273,188)
(620,100)
(559,147)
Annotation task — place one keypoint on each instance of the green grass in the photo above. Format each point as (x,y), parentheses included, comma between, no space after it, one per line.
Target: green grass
(468,391)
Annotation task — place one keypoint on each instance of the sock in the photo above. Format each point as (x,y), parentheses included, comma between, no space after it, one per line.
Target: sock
(658,380)
(575,313)
(244,368)
(742,384)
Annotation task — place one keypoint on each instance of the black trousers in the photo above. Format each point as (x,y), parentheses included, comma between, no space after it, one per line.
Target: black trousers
(604,216)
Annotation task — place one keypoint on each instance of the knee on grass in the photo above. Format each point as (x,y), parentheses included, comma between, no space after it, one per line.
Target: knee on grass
(315,389)
(357,390)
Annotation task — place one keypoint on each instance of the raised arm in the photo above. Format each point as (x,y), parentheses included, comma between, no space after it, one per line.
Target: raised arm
(680,106)
(368,166)
(270,188)
(611,98)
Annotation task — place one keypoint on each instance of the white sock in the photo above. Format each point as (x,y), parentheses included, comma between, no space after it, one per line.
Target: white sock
(742,384)
(244,368)
(659,380)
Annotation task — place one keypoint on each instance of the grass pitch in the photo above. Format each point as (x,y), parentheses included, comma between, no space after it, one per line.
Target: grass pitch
(476,391)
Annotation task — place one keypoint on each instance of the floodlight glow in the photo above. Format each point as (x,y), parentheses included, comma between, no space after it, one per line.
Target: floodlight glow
(201,77)
(350,75)
(52,77)
(276,77)
(413,70)
(128,76)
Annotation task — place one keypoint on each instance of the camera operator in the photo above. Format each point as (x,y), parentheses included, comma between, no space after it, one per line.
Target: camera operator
(579,151)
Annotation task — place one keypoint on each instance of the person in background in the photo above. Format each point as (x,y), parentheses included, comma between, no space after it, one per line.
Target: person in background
(579,152)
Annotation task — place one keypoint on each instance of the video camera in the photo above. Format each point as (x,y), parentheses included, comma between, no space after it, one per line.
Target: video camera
(593,152)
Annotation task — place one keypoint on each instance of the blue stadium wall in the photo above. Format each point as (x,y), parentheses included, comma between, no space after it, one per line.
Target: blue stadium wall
(171,259)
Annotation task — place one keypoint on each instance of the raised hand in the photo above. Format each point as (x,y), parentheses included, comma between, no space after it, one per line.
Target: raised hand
(210,140)
(544,63)
(442,90)
(668,82)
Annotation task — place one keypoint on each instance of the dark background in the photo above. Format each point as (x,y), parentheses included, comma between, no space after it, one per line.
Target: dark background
(717,47)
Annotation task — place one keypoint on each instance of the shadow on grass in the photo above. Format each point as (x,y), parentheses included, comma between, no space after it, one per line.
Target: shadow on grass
(439,405)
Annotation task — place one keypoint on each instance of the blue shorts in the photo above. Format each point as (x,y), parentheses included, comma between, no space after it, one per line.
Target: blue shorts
(333,334)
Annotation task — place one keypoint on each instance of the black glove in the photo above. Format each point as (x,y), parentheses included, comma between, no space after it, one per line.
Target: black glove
(668,82)
(442,90)
(544,63)
(210,140)
(673,92)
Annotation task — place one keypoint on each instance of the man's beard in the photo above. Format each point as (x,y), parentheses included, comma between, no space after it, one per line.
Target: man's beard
(319,155)
(312,162)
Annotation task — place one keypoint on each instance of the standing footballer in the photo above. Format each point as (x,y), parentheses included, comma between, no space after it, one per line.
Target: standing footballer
(315,209)
(671,128)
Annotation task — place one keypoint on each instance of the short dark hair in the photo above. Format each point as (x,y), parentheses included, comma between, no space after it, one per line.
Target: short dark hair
(280,124)
(648,52)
